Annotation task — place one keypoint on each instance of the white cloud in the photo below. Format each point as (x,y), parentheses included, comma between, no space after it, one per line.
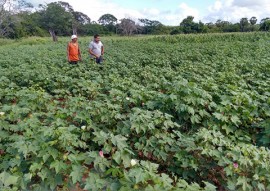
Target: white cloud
(43,2)
(173,17)
(95,9)
(152,11)
(168,17)
(234,10)
(229,10)
(188,11)
(250,3)
(216,7)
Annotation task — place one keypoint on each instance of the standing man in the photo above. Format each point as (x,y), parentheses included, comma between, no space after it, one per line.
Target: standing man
(96,49)
(73,50)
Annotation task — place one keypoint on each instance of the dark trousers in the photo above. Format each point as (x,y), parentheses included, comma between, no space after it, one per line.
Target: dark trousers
(99,60)
(73,62)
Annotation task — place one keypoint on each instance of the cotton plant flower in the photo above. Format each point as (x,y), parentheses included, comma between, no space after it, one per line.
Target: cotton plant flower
(2,113)
(128,98)
(133,162)
(83,127)
(235,165)
(101,154)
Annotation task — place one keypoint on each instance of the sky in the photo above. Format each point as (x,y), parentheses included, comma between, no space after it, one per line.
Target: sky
(171,12)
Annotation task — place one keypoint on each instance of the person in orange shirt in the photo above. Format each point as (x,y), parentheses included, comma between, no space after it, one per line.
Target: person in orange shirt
(73,50)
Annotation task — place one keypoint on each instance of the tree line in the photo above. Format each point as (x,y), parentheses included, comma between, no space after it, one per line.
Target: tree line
(19,18)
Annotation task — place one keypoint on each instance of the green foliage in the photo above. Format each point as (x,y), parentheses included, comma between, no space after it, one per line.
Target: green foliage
(183,112)
(54,17)
(265,24)
(92,29)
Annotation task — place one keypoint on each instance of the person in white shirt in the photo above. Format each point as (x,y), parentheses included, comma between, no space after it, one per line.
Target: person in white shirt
(96,49)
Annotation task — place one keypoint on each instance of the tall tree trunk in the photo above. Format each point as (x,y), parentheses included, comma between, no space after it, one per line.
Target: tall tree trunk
(52,33)
(74,30)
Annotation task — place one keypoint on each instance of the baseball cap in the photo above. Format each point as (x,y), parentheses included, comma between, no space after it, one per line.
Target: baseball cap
(73,36)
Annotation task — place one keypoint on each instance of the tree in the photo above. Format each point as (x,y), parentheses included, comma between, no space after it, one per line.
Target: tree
(244,24)
(80,19)
(31,25)
(212,27)
(151,26)
(66,6)
(265,24)
(109,21)
(188,25)
(201,27)
(176,30)
(56,19)
(127,26)
(9,15)
(226,26)
(221,24)
(94,28)
(253,20)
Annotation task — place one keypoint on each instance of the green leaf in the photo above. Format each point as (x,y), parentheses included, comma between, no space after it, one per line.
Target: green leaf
(58,166)
(7,180)
(228,129)
(209,187)
(261,187)
(94,182)
(182,183)
(115,186)
(101,137)
(125,156)
(114,172)
(35,166)
(77,173)
(53,152)
(221,117)
(151,167)
(167,181)
(117,157)
(195,119)
(101,163)
(231,185)
(256,177)
(44,174)
(25,180)
(191,110)
(119,141)
(45,157)
(244,182)
(235,120)
(138,174)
